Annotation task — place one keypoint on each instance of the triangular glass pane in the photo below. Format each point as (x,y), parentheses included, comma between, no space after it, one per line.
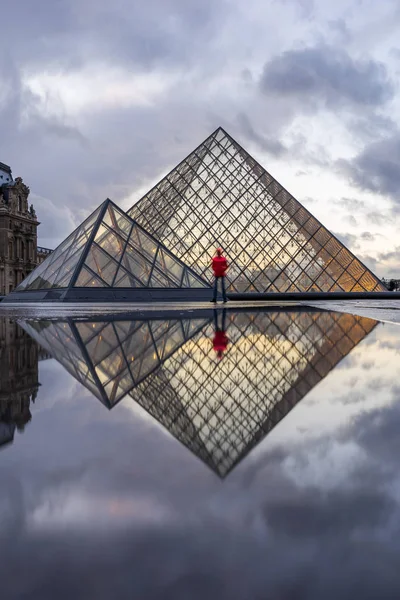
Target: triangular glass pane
(68,267)
(146,245)
(119,387)
(109,241)
(136,264)
(126,280)
(88,279)
(147,361)
(101,263)
(158,280)
(117,221)
(194,282)
(167,264)
(102,344)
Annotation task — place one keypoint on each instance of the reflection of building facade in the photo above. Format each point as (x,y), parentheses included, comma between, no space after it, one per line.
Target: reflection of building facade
(218,409)
(19,355)
(18,232)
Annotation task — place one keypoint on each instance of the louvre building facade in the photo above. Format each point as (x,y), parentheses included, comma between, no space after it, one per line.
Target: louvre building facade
(162,247)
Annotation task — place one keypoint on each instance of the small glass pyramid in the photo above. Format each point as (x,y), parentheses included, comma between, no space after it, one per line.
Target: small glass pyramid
(110,250)
(220,196)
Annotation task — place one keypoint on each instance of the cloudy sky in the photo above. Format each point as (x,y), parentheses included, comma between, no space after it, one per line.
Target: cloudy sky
(102,98)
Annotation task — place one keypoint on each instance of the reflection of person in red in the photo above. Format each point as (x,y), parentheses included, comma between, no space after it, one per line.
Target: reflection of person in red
(219,266)
(220,341)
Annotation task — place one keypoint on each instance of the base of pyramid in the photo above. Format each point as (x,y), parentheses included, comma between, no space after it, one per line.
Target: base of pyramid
(141,295)
(299,296)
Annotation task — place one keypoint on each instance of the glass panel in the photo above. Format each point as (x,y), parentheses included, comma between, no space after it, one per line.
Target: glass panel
(68,267)
(158,280)
(167,264)
(101,264)
(194,282)
(124,279)
(136,264)
(109,241)
(102,344)
(146,245)
(88,279)
(119,387)
(117,221)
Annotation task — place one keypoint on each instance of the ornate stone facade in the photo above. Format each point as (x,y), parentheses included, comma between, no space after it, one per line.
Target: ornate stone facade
(19,384)
(18,232)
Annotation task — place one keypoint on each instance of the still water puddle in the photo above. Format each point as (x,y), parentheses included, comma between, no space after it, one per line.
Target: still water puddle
(184,451)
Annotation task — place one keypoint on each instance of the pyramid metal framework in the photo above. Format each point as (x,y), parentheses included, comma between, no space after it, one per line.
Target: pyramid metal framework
(110,251)
(220,196)
(219,409)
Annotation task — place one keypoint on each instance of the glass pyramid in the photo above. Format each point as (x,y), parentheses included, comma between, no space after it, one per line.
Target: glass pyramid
(219,409)
(220,196)
(110,250)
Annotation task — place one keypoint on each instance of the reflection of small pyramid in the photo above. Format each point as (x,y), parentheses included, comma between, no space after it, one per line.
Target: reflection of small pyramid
(112,357)
(109,250)
(219,195)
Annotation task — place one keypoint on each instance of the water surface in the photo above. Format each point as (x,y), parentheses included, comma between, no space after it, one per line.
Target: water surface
(246,454)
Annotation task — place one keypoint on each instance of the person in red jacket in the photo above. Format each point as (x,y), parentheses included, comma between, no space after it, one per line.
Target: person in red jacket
(220,340)
(219,266)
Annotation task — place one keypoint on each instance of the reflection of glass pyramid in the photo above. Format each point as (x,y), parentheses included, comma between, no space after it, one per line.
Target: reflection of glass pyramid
(109,250)
(220,196)
(111,357)
(218,409)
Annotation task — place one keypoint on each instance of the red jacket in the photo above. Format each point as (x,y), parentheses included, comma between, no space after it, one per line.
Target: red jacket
(219,265)
(220,341)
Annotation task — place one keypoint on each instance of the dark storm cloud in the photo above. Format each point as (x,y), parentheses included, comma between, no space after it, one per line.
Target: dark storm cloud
(67,34)
(376,167)
(328,76)
(376,432)
(371,127)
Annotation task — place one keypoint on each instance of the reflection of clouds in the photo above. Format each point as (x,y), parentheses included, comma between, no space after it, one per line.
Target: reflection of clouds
(80,510)
(56,385)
